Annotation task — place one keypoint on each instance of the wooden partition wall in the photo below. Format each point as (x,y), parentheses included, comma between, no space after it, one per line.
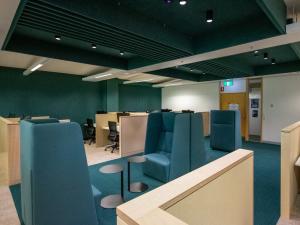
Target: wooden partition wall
(132,134)
(206,123)
(220,192)
(290,175)
(102,121)
(9,151)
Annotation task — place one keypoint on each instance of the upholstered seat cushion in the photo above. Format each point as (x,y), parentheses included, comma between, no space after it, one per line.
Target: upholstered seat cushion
(97,198)
(160,163)
(96,194)
(225,130)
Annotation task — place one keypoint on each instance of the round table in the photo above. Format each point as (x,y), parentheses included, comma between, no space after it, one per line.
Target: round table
(136,186)
(112,201)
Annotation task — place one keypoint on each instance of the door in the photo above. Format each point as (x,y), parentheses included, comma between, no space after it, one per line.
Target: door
(240,100)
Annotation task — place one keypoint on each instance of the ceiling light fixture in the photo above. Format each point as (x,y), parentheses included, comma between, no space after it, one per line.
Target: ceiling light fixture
(182,2)
(137,81)
(122,53)
(57,37)
(94,46)
(273,61)
(103,75)
(209,16)
(36,67)
(168,1)
(266,56)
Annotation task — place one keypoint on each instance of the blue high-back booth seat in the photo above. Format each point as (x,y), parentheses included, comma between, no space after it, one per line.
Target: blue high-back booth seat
(55,184)
(225,131)
(174,145)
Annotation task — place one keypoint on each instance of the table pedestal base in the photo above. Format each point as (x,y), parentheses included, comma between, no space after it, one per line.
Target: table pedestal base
(111,201)
(138,187)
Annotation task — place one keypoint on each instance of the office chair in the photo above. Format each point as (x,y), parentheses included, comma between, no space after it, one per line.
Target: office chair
(90,131)
(187,111)
(166,110)
(113,136)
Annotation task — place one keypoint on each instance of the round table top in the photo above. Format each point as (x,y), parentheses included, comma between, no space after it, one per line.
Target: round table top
(137,159)
(112,168)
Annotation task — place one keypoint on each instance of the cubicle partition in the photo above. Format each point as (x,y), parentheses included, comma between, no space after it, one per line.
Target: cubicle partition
(132,134)
(101,123)
(206,123)
(132,131)
(290,173)
(220,192)
(9,151)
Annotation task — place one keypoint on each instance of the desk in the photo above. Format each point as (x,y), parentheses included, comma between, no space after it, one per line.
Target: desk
(10,146)
(132,131)
(297,163)
(107,128)
(95,125)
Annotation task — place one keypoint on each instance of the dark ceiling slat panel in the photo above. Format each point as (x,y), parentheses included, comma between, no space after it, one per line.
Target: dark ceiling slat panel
(40,6)
(215,69)
(84,38)
(45,22)
(65,22)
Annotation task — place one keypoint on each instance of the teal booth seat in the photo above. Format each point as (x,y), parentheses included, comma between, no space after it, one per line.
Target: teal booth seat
(55,183)
(225,131)
(174,145)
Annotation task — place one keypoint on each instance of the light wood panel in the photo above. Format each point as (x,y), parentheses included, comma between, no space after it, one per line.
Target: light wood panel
(230,196)
(10,144)
(102,121)
(290,175)
(235,168)
(242,100)
(206,123)
(132,134)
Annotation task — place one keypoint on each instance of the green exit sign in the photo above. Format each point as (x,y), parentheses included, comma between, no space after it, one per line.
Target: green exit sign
(228,83)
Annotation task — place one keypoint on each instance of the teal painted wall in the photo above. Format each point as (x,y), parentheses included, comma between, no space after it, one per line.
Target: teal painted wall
(112,92)
(133,98)
(139,98)
(43,93)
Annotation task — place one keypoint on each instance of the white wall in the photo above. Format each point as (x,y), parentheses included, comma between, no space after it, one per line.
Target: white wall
(281,102)
(239,85)
(254,122)
(281,105)
(198,97)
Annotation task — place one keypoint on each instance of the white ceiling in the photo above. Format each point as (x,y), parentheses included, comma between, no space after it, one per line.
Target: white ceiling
(8,9)
(24,61)
(293,9)
(291,3)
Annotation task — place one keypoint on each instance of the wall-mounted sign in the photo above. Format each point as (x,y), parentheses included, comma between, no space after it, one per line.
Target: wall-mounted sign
(234,107)
(228,83)
(254,103)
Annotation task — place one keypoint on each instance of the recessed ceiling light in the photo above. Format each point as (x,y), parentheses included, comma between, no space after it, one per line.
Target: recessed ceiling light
(203,73)
(57,37)
(191,70)
(182,2)
(256,52)
(266,56)
(273,61)
(94,46)
(209,16)
(122,53)
(168,1)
